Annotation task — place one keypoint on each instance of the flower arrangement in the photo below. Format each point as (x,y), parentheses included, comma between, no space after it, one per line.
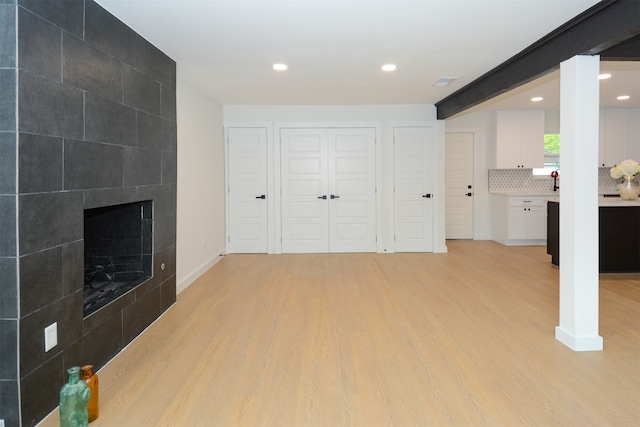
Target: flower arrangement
(626,168)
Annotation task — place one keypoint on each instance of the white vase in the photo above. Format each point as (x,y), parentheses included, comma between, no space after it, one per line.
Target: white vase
(629,189)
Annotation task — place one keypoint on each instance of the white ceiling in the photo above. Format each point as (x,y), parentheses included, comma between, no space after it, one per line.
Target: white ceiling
(335,48)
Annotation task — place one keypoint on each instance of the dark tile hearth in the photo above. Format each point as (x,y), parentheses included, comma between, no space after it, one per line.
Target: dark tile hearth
(95,128)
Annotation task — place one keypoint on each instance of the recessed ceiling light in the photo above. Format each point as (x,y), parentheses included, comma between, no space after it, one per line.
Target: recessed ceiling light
(280,67)
(537,99)
(389,67)
(604,76)
(444,81)
(623,97)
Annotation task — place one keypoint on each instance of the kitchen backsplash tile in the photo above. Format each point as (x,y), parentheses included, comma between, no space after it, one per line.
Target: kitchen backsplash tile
(522,180)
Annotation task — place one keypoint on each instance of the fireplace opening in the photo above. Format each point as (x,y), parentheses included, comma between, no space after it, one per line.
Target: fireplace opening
(118,251)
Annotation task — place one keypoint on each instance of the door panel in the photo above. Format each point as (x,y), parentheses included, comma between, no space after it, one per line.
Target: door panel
(413,163)
(247,176)
(304,179)
(352,220)
(459,177)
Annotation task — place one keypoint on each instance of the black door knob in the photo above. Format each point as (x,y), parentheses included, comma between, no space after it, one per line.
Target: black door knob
(427,196)
(262,196)
(469,194)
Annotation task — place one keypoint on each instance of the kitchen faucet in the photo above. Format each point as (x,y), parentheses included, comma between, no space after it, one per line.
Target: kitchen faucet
(555,175)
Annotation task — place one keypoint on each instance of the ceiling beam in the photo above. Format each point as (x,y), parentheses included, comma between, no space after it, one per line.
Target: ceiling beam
(597,30)
(626,51)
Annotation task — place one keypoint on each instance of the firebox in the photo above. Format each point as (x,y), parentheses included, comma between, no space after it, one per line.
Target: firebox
(118,250)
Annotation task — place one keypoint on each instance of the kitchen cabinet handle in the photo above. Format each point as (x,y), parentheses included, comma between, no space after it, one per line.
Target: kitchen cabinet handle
(469,194)
(323,197)
(427,196)
(262,196)
(333,196)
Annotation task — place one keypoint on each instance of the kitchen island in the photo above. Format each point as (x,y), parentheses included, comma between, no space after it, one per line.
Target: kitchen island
(619,234)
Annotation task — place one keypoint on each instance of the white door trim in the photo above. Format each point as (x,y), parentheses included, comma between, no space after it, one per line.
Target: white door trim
(439,241)
(481,222)
(467,202)
(277,199)
(271,201)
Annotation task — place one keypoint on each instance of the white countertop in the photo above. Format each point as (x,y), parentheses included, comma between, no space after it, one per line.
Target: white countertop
(526,193)
(555,197)
(617,202)
(612,202)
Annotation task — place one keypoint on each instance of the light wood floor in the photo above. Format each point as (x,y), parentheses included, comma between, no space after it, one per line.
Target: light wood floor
(461,339)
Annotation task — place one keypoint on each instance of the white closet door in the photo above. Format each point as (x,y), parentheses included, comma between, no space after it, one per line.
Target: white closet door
(413,188)
(304,169)
(352,190)
(328,190)
(247,174)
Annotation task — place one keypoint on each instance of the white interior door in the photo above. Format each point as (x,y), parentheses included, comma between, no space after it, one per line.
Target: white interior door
(459,185)
(352,198)
(328,190)
(413,188)
(305,192)
(247,187)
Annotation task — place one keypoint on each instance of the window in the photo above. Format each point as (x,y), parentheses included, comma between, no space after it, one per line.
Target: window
(551,155)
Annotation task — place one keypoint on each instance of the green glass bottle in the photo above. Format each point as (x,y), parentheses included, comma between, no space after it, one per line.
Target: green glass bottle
(74,396)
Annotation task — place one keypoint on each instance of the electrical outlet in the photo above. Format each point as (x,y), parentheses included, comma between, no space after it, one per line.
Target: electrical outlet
(51,336)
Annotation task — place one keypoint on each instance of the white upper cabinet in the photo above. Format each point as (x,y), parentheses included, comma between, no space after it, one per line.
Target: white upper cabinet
(619,136)
(519,139)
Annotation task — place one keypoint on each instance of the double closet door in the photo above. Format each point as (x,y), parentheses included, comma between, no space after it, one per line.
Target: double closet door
(328,200)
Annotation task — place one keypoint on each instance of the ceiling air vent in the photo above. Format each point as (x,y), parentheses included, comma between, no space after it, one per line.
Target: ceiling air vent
(444,81)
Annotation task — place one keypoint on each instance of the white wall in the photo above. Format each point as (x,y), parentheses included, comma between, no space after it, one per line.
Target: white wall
(479,124)
(332,113)
(387,116)
(201,206)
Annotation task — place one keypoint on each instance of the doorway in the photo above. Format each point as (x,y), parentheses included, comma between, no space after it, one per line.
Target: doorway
(247,190)
(414,186)
(459,185)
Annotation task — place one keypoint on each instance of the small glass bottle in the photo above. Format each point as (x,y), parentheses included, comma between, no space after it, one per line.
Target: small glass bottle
(74,396)
(91,379)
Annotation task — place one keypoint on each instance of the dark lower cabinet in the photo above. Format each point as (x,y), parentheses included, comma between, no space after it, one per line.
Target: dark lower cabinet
(619,235)
(553,231)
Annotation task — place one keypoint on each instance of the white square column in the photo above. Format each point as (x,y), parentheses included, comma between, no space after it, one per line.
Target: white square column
(579,122)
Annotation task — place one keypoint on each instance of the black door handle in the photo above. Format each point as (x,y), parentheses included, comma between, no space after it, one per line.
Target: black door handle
(469,194)
(334,197)
(427,196)
(323,197)
(262,196)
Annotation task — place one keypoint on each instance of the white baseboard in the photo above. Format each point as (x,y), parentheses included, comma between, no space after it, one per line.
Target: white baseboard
(184,283)
(579,343)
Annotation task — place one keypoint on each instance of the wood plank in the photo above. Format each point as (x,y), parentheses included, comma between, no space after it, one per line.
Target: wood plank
(461,338)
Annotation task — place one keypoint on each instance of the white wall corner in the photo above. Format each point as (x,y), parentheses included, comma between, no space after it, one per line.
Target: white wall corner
(194,275)
(440,242)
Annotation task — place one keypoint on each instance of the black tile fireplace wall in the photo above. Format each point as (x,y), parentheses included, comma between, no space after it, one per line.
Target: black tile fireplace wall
(87,119)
